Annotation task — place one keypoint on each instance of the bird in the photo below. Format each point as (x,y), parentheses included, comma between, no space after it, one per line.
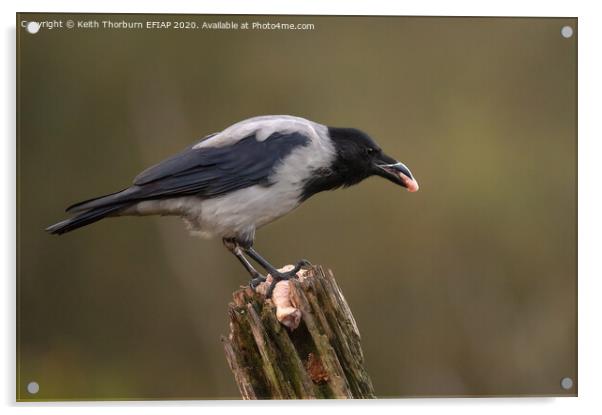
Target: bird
(231,183)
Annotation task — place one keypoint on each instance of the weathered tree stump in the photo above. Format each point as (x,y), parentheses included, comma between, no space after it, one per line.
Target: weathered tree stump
(301,344)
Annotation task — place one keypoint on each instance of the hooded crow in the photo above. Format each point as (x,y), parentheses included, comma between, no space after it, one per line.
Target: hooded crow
(233,182)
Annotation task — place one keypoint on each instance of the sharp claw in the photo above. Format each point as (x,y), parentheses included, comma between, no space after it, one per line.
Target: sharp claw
(278,276)
(302,263)
(270,290)
(254,283)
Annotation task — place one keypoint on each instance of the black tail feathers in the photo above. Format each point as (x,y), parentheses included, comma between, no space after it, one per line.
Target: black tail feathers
(85,218)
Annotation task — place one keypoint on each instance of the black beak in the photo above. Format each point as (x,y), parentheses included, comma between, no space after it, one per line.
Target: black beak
(395,171)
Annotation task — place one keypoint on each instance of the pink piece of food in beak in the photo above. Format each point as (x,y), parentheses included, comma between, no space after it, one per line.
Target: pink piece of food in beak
(410,184)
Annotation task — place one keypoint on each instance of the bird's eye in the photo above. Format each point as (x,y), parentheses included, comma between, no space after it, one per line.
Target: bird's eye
(370,150)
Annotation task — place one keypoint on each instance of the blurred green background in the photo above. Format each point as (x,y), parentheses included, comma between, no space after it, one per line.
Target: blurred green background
(467,287)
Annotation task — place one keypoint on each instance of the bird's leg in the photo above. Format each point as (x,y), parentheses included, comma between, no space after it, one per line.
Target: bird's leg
(234,248)
(271,269)
(276,275)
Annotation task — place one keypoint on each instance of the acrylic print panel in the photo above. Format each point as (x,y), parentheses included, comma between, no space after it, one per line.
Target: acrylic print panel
(466,287)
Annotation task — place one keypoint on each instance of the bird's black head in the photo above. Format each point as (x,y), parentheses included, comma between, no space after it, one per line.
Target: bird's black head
(357,158)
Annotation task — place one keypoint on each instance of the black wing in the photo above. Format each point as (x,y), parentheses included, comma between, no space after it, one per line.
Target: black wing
(207,171)
(181,161)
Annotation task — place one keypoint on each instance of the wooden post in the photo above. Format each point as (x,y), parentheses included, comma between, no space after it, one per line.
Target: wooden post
(301,344)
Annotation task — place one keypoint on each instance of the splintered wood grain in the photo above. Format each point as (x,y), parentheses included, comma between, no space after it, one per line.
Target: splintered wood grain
(319,356)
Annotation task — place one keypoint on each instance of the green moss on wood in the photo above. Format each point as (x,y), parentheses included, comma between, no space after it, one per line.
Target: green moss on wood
(270,361)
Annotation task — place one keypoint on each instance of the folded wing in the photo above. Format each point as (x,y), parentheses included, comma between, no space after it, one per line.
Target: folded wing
(207,171)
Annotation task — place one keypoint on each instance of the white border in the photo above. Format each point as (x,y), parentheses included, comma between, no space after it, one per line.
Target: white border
(590,206)
(347,7)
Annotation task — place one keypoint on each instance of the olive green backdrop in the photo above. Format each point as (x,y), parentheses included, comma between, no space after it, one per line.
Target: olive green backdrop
(467,287)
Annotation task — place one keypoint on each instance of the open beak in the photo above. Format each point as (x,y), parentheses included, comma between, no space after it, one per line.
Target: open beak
(396,172)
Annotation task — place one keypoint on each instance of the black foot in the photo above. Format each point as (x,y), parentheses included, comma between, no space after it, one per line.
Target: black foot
(254,283)
(278,276)
(270,291)
(302,263)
